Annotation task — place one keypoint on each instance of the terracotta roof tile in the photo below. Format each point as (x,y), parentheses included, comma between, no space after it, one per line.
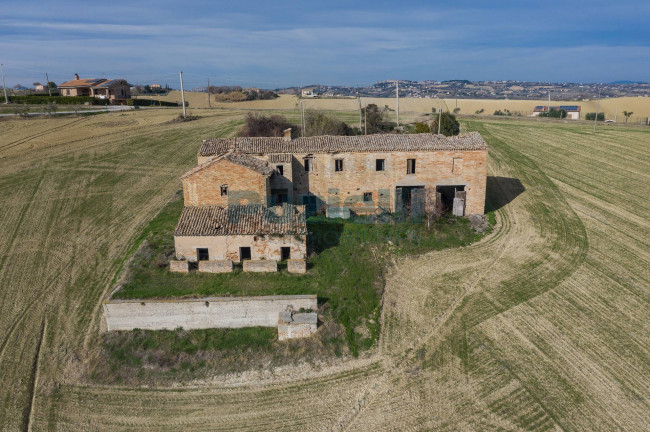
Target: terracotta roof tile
(336,144)
(252,219)
(250,162)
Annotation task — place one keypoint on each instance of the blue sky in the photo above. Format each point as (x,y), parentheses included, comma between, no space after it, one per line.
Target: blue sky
(273,44)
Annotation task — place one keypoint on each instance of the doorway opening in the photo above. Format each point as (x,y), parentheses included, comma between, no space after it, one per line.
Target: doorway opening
(410,200)
(244,253)
(202,254)
(285,253)
(447,194)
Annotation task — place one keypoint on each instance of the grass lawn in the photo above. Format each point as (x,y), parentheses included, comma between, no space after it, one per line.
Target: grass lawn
(346,271)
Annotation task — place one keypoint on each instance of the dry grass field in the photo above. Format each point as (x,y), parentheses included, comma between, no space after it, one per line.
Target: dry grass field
(412,107)
(543,325)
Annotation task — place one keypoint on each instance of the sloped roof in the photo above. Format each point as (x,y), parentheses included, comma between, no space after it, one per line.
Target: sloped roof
(111,83)
(336,144)
(86,82)
(252,219)
(260,166)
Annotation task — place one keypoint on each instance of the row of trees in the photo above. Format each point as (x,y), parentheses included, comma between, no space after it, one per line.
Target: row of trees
(319,123)
(239,94)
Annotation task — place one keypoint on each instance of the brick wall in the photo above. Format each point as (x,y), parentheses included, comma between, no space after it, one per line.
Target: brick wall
(245,186)
(359,175)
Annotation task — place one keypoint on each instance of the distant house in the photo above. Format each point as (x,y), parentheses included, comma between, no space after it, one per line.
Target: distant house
(39,87)
(116,90)
(308,92)
(572,111)
(155,87)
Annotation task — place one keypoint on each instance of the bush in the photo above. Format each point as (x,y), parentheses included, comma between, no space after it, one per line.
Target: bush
(318,123)
(553,113)
(257,125)
(592,116)
(22,111)
(449,125)
(422,128)
(152,102)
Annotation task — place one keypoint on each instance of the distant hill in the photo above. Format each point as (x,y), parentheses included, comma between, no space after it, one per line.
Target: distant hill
(628,82)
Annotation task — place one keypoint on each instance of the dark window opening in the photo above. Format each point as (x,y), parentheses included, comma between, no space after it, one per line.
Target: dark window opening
(244,253)
(338,165)
(224,190)
(309,164)
(367,196)
(380,165)
(410,166)
(285,253)
(202,254)
(279,196)
(280,169)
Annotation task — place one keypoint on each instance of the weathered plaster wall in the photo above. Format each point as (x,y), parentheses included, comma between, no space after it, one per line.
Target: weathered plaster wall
(210,312)
(227,247)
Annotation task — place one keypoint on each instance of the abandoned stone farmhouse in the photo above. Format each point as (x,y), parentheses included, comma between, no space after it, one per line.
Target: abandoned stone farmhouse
(248,197)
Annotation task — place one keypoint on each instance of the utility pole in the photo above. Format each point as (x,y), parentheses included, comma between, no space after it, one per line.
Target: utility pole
(365,120)
(397,96)
(47,81)
(302,117)
(597,108)
(548,108)
(439,118)
(4,87)
(209,105)
(360,111)
(183,95)
(616,116)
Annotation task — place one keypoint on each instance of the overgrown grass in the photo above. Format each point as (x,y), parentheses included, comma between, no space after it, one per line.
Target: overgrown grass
(346,271)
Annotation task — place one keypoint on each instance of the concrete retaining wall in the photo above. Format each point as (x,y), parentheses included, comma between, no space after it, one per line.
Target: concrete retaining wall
(297,266)
(260,266)
(221,266)
(209,312)
(178,266)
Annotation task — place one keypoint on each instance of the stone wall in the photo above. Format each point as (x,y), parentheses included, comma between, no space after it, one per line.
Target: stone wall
(297,266)
(227,247)
(177,266)
(209,312)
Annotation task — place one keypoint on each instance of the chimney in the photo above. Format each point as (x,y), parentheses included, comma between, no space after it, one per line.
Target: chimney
(287,134)
(76,76)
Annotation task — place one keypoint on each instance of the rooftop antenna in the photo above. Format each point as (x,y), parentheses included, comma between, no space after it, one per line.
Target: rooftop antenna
(4,87)
(183,95)
(597,107)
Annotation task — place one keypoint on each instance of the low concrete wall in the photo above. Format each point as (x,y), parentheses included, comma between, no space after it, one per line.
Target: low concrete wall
(221,266)
(178,266)
(208,312)
(297,266)
(293,325)
(260,266)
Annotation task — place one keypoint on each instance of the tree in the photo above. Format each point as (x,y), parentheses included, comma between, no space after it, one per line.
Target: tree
(51,84)
(456,110)
(592,116)
(376,119)
(449,126)
(50,108)
(318,123)
(627,115)
(257,125)
(432,205)
(477,112)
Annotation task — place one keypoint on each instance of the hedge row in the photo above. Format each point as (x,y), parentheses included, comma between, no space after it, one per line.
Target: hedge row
(152,102)
(61,100)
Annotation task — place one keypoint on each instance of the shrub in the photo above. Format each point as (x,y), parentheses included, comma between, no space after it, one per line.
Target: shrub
(592,116)
(318,123)
(422,128)
(257,125)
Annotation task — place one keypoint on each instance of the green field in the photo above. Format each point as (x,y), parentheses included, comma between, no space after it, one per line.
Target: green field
(542,325)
